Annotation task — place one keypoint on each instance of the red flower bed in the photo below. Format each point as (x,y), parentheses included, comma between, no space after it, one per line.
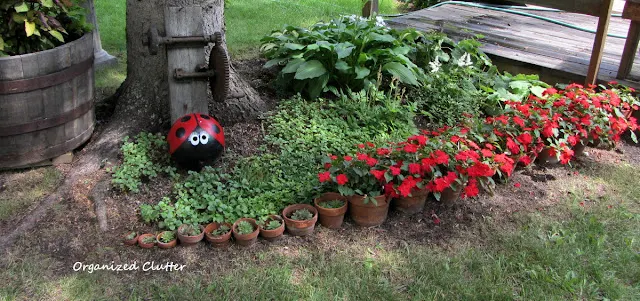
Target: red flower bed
(472,154)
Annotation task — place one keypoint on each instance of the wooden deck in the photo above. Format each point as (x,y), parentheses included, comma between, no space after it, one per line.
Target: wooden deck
(521,44)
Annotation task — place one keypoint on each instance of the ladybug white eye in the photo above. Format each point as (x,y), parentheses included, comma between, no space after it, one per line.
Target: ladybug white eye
(194,138)
(204,138)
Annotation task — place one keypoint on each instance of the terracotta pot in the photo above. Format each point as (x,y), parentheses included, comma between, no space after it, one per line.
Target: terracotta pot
(146,245)
(412,204)
(272,235)
(246,240)
(545,157)
(331,218)
(299,228)
(130,242)
(450,195)
(187,240)
(220,241)
(167,245)
(369,214)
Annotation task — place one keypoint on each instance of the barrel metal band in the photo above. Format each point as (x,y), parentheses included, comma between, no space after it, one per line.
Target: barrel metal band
(44,81)
(41,124)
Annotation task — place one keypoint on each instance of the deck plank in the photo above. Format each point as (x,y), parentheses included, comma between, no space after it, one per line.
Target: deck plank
(528,40)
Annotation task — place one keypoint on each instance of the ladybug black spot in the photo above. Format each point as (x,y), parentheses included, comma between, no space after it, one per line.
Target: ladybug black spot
(186,118)
(180,132)
(215,129)
(205,116)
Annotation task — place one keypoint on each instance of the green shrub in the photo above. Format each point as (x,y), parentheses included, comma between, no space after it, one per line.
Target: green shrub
(346,53)
(31,26)
(144,157)
(299,134)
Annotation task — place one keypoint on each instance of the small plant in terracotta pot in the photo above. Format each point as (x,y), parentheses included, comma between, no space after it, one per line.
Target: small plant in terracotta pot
(166,239)
(272,228)
(147,241)
(331,208)
(245,231)
(218,234)
(300,219)
(190,235)
(130,238)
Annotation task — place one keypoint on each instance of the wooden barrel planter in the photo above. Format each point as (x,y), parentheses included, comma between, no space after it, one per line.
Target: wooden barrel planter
(46,103)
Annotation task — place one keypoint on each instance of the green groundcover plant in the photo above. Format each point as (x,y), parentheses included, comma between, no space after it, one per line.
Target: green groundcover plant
(31,26)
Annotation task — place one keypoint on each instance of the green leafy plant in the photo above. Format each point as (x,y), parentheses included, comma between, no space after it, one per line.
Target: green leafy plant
(245,227)
(273,224)
(332,204)
(131,235)
(301,215)
(223,229)
(345,53)
(144,157)
(191,230)
(167,236)
(31,26)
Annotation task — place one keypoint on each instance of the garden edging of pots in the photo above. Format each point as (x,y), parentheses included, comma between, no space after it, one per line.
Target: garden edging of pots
(299,228)
(219,241)
(331,218)
(246,240)
(369,214)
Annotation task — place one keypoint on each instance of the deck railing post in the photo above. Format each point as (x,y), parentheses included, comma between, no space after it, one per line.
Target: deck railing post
(370,8)
(604,16)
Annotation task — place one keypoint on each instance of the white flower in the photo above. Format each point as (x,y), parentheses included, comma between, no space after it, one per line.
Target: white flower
(435,66)
(380,22)
(465,60)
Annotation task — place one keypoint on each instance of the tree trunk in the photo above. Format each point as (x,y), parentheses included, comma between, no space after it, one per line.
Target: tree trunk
(142,100)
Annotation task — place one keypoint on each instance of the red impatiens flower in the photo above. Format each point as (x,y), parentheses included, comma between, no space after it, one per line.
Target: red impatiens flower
(525,160)
(480,169)
(519,121)
(516,185)
(415,168)
(410,148)
(361,145)
(333,157)
(394,170)
(486,153)
(369,144)
(426,164)
(348,158)
(341,179)
(440,157)
(371,161)
(422,140)
(324,177)
(472,188)
(362,157)
(512,146)
(566,155)
(525,138)
(327,165)
(407,185)
(378,174)
(383,151)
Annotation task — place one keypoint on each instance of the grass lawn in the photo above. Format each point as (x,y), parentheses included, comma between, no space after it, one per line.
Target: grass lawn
(247,22)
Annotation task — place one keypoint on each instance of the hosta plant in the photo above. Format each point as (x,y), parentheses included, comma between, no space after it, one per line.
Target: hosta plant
(346,53)
(28,26)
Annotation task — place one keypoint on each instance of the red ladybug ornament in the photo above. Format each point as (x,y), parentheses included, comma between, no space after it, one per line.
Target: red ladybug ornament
(194,138)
